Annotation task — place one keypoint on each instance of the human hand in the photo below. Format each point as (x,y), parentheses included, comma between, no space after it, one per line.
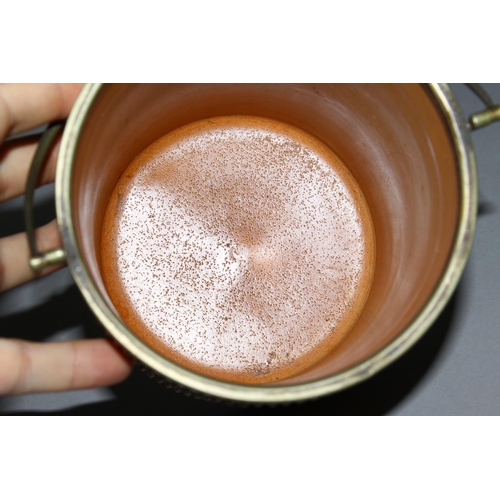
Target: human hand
(27,367)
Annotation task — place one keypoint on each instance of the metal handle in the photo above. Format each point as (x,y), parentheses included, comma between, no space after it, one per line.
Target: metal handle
(487,116)
(38,260)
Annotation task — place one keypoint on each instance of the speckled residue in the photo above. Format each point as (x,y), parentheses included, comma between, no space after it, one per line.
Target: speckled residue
(239,247)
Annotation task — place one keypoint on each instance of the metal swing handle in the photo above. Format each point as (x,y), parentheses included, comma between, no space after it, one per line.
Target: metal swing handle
(38,260)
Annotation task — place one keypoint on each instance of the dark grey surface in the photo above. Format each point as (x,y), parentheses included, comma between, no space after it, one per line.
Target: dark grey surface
(453,370)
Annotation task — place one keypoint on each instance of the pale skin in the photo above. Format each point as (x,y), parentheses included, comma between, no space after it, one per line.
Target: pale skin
(29,367)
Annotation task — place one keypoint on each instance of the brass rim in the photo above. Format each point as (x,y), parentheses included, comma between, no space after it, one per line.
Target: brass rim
(459,132)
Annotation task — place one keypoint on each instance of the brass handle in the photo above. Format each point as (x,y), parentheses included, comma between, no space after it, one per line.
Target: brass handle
(38,260)
(487,116)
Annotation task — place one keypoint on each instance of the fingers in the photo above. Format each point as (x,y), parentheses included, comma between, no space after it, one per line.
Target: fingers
(15,160)
(25,106)
(27,367)
(14,255)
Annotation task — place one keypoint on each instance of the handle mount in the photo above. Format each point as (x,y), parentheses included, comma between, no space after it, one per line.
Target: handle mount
(487,116)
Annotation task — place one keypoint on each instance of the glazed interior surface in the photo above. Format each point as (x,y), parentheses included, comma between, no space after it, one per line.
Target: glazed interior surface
(392,138)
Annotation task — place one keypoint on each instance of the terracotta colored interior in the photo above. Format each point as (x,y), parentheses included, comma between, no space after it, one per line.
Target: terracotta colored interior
(392,137)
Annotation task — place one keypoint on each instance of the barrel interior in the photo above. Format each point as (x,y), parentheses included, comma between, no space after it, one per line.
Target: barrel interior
(392,137)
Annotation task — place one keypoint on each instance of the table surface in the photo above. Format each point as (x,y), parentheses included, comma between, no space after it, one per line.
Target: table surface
(453,370)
